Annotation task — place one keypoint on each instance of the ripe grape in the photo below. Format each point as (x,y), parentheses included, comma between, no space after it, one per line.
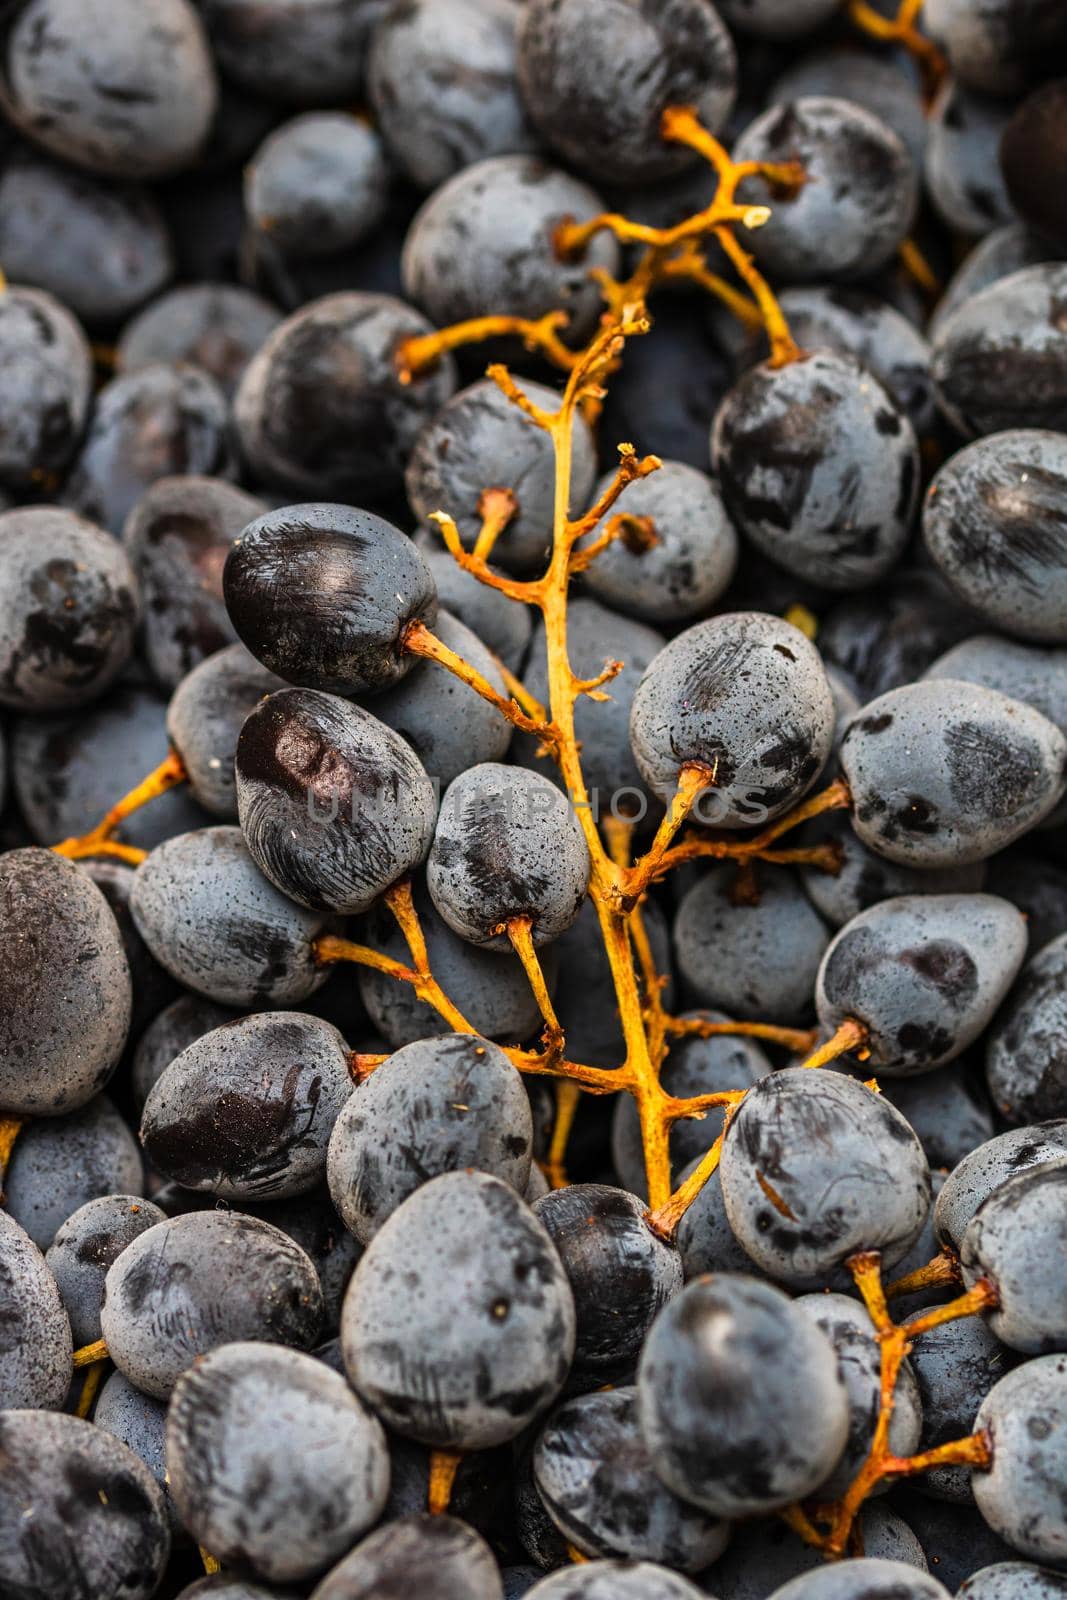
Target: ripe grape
(83,1249)
(436,1106)
(216,326)
(1017,1229)
(476,1336)
(317,185)
(202,1280)
(1021,1496)
(415,1555)
(1000,359)
(955,1366)
(36,1341)
(982,1172)
(864,1579)
(961,169)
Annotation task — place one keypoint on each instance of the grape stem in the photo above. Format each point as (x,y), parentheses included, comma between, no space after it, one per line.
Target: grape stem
(10,1128)
(94,1376)
(91,1353)
(418,640)
(444,1464)
(99,841)
(903,30)
(829,1527)
(944,1269)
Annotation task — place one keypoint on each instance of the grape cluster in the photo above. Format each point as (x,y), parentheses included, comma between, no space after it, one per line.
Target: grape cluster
(533,777)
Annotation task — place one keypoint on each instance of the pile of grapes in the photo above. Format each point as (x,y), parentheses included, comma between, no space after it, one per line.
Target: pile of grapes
(533,860)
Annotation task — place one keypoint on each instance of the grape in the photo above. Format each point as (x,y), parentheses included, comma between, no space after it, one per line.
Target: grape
(1026,1052)
(835,504)
(216,326)
(148,425)
(1000,359)
(483,243)
(1007,1241)
(620,1274)
(317,185)
(855,322)
(891,637)
(1000,253)
(442,84)
(943,773)
(286,1499)
(177,1025)
(204,719)
(417,1555)
(1014,1580)
(449,727)
(755,961)
(139,1422)
(596,636)
(925,973)
(706,1242)
(496,995)
(584,992)
(691,560)
(615,1580)
(502,624)
(597,78)
(507,845)
(1031,152)
(852,1334)
(177,537)
(35,1341)
(815,1167)
(875,82)
(47,389)
(477,1335)
(1021,1496)
(246,1111)
(961,169)
(199,1281)
(746,695)
(955,1366)
(694,1066)
(64,986)
(224,1588)
(762,1556)
(209,916)
(518,1581)
(69,609)
(995,45)
(534,1528)
(592,1470)
(352,583)
(1022,672)
(741,1403)
(992,522)
(480,438)
(856,205)
(83,1249)
(863,1580)
(435,1106)
(98,1525)
(312,53)
(865,879)
(100,248)
(152,987)
(334,806)
(946,1108)
(982,1172)
(311,1222)
(321,409)
(69,769)
(124,88)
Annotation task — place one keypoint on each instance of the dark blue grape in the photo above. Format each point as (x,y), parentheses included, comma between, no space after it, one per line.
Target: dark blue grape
(1013,1233)
(978,1175)
(1031,151)
(815,1167)
(596,79)
(98,1529)
(321,409)
(139,1422)
(350,583)
(889,637)
(202,1280)
(741,1402)
(439,1556)
(458,1325)
(289,1497)
(864,1579)
(947,1109)
(59,1163)
(167,1035)
(64,1014)
(441,79)
(1014,1580)
(317,185)
(210,917)
(312,54)
(69,609)
(311,1222)
(1021,1496)
(863,878)
(997,46)
(1000,253)
(615,1580)
(246,1111)
(955,1366)
(1000,359)
(152,987)
(216,326)
(436,1106)
(961,170)
(483,243)
(764,1555)
(36,1371)
(47,388)
(83,1249)
(957,1540)
(1026,1051)
(205,716)
(879,83)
